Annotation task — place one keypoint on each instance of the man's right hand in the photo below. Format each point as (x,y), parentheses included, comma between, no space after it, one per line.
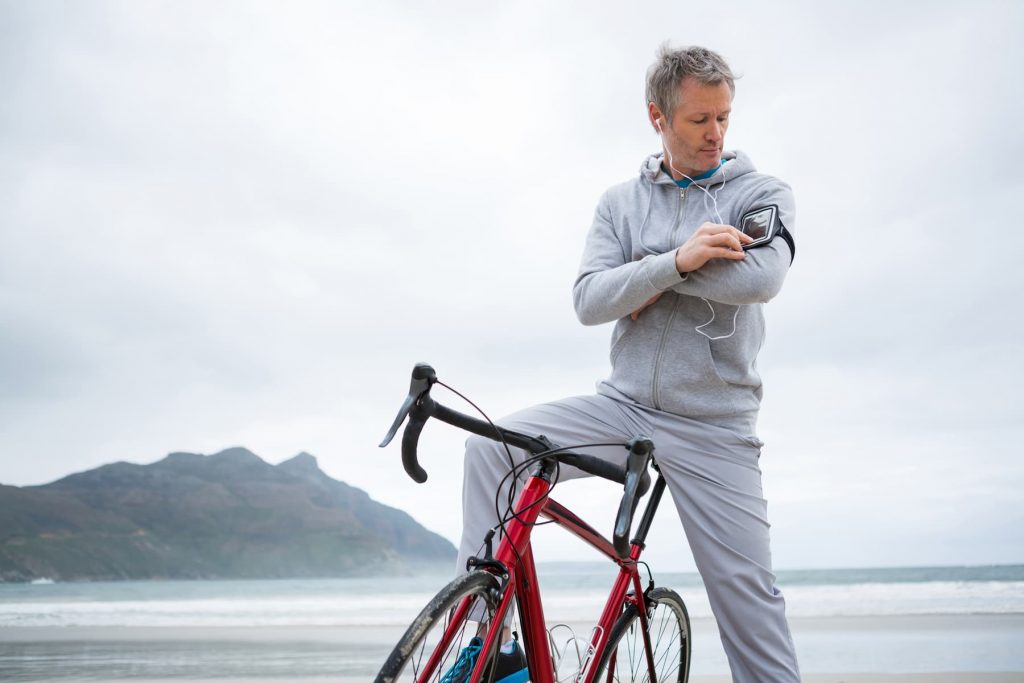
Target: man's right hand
(711,240)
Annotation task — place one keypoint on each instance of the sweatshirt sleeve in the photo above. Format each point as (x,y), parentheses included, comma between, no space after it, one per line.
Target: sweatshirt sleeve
(609,285)
(759,276)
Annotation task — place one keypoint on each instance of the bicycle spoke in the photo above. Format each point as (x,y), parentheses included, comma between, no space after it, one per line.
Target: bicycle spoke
(437,639)
(668,634)
(667,651)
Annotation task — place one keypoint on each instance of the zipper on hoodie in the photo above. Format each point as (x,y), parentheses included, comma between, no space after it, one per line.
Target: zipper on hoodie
(679,216)
(655,394)
(655,397)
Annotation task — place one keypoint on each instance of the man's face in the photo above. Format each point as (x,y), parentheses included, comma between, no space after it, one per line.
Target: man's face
(693,141)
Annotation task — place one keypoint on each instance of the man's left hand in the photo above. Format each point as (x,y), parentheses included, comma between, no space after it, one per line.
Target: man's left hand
(636,314)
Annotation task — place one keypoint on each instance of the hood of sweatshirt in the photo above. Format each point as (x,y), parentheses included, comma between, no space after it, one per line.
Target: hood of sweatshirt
(736,164)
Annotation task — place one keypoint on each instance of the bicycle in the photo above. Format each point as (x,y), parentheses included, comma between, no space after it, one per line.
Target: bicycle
(643,632)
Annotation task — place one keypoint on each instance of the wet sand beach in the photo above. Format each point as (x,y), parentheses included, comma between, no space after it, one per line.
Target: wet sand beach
(892,649)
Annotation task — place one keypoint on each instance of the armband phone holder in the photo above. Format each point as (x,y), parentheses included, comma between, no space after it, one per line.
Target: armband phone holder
(763,224)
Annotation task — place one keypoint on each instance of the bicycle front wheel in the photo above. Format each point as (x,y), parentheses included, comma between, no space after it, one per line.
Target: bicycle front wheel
(434,642)
(669,627)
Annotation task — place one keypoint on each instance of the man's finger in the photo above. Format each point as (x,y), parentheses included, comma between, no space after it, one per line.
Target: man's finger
(735,255)
(715,228)
(718,228)
(723,239)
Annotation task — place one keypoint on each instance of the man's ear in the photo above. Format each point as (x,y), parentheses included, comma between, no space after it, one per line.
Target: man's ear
(655,116)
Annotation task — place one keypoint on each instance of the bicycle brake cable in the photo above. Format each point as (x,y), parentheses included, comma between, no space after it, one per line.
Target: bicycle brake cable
(510,513)
(501,437)
(508,453)
(515,470)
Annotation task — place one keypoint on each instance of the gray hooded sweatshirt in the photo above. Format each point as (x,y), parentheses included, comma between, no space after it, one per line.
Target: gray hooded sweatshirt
(694,352)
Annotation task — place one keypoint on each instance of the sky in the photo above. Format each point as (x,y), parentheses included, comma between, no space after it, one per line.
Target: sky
(243,223)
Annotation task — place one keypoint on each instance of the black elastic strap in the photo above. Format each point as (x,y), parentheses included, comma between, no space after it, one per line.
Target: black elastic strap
(788,236)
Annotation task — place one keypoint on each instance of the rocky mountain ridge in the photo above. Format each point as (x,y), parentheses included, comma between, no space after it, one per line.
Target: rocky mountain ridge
(193,516)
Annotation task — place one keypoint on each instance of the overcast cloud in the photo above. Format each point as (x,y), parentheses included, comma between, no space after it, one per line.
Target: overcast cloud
(242,223)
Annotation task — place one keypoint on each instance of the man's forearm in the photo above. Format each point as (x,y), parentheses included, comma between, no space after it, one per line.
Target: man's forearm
(601,296)
(755,279)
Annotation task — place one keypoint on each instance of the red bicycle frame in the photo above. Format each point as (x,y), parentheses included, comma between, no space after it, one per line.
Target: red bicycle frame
(513,562)
(516,555)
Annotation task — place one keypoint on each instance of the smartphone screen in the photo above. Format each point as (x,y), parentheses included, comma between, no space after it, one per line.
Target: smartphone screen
(759,224)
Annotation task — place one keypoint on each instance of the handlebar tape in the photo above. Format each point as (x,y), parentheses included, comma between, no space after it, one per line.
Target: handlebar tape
(604,469)
(409,439)
(418,416)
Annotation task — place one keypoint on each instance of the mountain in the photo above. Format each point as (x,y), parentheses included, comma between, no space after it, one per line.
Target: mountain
(192,516)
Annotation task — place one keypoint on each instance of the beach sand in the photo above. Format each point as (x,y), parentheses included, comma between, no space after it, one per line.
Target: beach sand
(962,677)
(934,649)
(959,677)
(939,677)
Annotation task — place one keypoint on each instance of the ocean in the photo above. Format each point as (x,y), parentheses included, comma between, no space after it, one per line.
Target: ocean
(896,620)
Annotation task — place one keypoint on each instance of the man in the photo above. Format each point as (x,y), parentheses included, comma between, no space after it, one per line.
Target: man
(666,260)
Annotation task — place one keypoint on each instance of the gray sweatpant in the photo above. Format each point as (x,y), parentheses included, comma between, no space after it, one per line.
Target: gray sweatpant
(715,481)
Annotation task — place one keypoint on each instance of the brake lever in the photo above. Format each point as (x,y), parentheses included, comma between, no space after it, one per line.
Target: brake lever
(637,481)
(423,377)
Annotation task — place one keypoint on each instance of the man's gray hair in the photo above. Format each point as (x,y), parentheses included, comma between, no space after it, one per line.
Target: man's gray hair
(674,64)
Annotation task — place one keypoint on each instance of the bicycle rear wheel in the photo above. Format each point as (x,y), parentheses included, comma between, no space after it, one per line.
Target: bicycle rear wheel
(433,642)
(669,629)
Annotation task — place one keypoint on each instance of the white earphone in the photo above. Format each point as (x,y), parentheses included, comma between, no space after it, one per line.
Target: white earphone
(714,205)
